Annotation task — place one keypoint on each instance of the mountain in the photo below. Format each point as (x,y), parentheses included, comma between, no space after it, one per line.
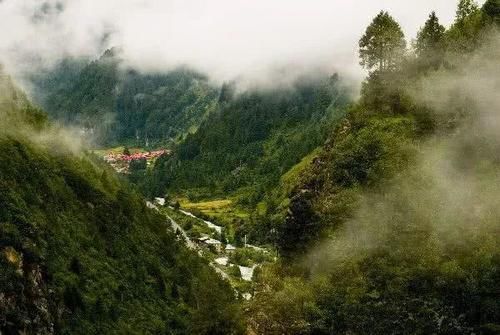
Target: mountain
(80,253)
(375,216)
(252,139)
(392,226)
(15,105)
(120,105)
(226,142)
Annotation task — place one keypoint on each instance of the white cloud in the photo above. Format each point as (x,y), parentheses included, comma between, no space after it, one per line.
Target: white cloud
(225,38)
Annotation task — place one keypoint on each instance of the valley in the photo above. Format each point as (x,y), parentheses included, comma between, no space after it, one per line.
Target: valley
(236,264)
(147,195)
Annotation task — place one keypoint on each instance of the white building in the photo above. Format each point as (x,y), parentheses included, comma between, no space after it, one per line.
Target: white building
(222,261)
(230,248)
(160,201)
(212,242)
(246,272)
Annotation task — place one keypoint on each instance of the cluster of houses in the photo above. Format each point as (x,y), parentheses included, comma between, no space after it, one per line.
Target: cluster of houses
(121,162)
(245,272)
(216,245)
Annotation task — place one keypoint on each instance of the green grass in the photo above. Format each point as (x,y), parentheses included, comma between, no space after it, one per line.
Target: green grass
(216,208)
(292,177)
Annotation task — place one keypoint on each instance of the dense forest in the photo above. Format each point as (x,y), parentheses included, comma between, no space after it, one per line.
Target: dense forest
(79,251)
(251,140)
(393,227)
(115,104)
(378,215)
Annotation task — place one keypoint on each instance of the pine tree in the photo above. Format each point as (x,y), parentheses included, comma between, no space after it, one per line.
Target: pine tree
(430,37)
(463,36)
(430,45)
(492,9)
(383,45)
(465,9)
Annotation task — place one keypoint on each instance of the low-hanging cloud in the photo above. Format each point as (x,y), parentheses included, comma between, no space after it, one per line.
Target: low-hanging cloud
(448,199)
(228,39)
(16,120)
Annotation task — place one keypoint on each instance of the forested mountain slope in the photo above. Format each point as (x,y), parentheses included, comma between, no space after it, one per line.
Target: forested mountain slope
(384,212)
(119,105)
(251,140)
(79,251)
(393,227)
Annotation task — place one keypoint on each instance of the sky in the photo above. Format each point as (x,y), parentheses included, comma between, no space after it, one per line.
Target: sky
(227,39)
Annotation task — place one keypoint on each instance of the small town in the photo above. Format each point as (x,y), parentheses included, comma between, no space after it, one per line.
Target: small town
(121,161)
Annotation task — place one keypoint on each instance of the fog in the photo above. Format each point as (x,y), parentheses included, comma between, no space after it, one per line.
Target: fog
(258,40)
(448,198)
(16,116)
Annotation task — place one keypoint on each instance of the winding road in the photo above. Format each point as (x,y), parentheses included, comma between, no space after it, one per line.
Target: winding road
(189,243)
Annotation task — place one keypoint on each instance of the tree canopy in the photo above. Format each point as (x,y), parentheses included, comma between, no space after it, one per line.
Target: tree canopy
(383,45)
(80,252)
(492,9)
(429,45)
(376,178)
(430,37)
(466,8)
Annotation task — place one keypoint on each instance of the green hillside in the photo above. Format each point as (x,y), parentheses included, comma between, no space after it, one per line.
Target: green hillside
(251,140)
(374,216)
(393,227)
(79,251)
(118,105)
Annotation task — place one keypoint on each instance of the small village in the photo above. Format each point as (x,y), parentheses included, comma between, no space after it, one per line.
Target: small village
(120,161)
(235,264)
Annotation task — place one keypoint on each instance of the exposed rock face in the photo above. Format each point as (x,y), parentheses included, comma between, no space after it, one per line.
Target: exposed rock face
(24,297)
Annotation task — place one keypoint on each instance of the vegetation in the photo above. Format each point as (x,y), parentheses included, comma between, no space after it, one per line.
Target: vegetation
(383,45)
(429,46)
(249,257)
(243,148)
(391,228)
(194,227)
(384,212)
(122,106)
(250,141)
(81,254)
